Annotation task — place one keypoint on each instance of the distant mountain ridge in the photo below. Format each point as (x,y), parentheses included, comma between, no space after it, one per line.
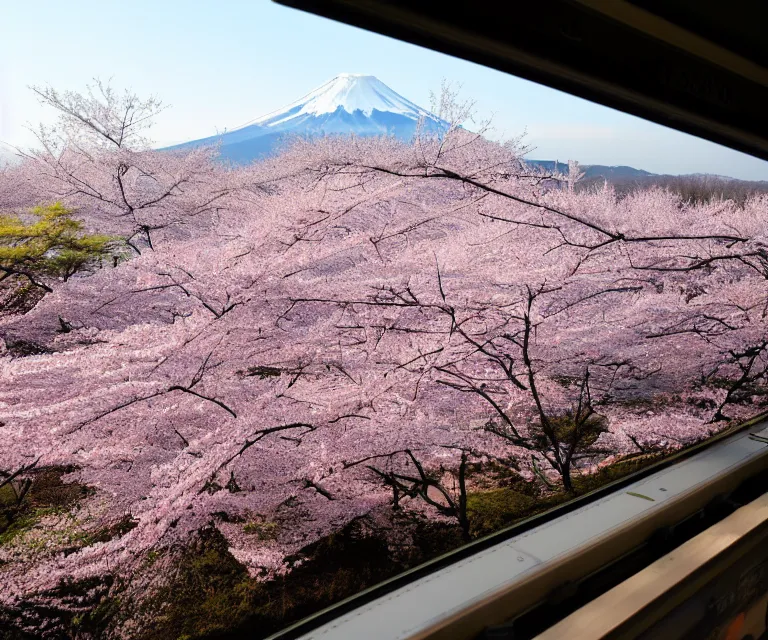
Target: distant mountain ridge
(593,170)
(8,155)
(623,173)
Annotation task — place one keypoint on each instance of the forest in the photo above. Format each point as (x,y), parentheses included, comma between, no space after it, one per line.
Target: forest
(233,395)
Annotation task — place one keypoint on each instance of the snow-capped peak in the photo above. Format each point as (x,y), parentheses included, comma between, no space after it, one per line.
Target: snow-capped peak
(349,104)
(352,92)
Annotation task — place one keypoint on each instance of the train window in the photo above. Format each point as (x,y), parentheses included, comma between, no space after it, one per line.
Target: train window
(288,309)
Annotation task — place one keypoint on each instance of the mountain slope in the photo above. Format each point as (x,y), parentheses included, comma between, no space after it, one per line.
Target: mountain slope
(8,154)
(347,104)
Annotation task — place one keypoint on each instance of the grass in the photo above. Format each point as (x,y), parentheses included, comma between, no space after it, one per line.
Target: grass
(266,530)
(209,593)
(21,524)
(48,495)
(490,511)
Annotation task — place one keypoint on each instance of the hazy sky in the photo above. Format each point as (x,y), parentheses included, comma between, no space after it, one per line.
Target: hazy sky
(221,64)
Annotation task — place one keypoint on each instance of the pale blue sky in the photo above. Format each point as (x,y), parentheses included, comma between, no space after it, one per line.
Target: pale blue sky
(222,63)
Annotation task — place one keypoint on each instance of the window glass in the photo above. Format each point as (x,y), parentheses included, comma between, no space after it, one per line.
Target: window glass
(287,308)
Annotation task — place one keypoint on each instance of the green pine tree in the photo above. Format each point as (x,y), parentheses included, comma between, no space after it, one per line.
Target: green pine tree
(50,244)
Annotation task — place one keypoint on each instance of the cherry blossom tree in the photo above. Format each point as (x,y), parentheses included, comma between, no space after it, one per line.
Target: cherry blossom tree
(98,157)
(426,485)
(349,325)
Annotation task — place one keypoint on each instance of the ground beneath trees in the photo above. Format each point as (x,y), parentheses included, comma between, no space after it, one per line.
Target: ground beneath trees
(201,591)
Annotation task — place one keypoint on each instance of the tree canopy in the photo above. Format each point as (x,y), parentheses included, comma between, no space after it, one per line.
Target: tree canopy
(352,325)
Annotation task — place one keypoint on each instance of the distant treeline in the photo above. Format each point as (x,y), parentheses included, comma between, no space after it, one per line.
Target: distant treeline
(695,188)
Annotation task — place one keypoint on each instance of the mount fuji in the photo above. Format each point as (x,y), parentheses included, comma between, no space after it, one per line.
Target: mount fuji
(348,104)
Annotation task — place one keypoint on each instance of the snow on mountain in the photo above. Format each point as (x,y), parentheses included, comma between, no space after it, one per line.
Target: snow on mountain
(351,91)
(348,104)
